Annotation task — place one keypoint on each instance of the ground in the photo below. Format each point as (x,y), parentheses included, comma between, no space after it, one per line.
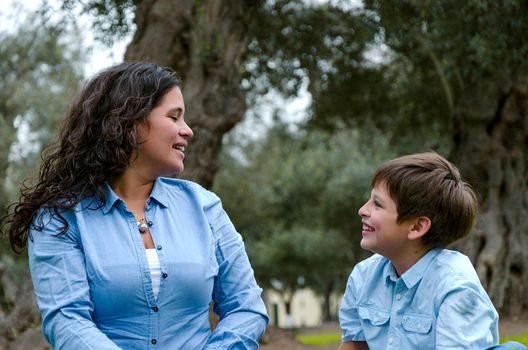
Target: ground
(278,339)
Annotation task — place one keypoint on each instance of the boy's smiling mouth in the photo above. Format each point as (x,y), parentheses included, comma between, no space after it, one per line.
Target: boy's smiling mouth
(367,228)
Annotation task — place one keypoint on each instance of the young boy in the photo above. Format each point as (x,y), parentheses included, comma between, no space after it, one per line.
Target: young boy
(413,293)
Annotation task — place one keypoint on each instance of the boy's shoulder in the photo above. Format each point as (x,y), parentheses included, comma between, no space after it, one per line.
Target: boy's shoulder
(454,268)
(373,260)
(441,269)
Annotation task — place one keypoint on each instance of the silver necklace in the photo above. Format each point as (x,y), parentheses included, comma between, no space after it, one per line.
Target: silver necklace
(142,225)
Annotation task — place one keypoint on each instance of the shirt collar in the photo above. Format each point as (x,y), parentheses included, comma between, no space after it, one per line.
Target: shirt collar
(417,271)
(158,193)
(110,198)
(390,273)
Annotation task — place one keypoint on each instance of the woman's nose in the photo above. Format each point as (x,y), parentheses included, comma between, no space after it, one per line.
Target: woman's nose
(186,131)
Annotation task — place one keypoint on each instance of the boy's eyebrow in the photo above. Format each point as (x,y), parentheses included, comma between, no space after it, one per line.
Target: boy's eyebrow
(376,197)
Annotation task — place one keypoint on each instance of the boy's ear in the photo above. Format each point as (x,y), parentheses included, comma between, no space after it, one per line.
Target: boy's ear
(419,228)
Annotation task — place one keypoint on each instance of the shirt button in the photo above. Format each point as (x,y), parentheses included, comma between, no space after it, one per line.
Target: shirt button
(398,296)
(153,341)
(150,223)
(164,275)
(159,247)
(155,308)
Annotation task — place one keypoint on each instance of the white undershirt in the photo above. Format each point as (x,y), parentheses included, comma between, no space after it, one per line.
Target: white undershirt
(155,270)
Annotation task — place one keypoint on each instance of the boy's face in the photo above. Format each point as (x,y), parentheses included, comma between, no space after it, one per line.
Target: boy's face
(381,233)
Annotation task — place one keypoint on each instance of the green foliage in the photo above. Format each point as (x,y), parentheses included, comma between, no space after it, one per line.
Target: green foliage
(292,40)
(354,78)
(112,19)
(471,39)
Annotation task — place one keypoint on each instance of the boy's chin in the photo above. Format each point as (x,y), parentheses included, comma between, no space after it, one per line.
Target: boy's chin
(365,244)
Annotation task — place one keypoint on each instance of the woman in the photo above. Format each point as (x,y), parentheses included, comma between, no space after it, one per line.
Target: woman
(122,257)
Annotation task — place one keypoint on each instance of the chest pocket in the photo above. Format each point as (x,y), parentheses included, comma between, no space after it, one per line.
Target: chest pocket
(418,330)
(417,323)
(374,322)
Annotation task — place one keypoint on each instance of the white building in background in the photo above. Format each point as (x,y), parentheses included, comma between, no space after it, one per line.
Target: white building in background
(306,308)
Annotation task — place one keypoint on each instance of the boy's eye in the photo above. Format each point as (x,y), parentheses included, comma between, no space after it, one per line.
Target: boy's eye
(377,204)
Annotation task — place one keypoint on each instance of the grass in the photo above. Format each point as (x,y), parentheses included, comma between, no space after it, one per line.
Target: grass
(334,338)
(320,339)
(523,339)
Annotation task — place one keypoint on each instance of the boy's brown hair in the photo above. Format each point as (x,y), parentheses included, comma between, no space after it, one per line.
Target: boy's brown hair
(426,184)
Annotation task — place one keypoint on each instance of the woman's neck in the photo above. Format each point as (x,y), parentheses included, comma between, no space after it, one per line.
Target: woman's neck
(133,188)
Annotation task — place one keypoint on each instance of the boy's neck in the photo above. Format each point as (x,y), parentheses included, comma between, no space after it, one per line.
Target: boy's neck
(406,260)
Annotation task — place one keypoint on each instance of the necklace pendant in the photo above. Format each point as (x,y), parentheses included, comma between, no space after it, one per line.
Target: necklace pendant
(142,227)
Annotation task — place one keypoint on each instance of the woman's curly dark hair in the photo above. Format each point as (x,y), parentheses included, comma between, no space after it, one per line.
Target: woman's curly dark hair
(95,144)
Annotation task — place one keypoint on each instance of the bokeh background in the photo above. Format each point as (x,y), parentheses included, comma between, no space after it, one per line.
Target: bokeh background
(293,104)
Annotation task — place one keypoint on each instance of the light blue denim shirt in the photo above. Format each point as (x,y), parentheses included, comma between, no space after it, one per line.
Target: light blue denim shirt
(93,283)
(439,303)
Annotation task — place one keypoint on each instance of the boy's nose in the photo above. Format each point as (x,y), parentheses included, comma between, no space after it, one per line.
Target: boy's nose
(363,210)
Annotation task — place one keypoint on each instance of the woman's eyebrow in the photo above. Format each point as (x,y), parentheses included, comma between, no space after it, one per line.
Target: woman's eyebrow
(177,110)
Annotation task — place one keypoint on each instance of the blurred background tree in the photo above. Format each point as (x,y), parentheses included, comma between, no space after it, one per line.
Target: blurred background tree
(41,65)
(476,53)
(384,78)
(294,196)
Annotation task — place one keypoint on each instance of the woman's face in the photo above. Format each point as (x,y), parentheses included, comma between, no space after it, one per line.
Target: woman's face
(163,138)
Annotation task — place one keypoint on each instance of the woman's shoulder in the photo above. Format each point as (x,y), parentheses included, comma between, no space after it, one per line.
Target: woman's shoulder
(187,188)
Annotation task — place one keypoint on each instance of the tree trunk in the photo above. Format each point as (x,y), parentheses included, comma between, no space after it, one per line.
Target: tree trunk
(20,329)
(8,135)
(329,287)
(491,149)
(204,42)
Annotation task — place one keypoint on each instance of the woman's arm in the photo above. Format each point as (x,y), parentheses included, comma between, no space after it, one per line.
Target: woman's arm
(59,278)
(236,295)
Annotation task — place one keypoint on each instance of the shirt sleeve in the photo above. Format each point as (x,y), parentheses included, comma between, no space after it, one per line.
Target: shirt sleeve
(349,319)
(236,295)
(466,319)
(58,272)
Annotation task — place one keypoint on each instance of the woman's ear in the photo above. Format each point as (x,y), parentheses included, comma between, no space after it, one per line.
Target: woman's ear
(419,228)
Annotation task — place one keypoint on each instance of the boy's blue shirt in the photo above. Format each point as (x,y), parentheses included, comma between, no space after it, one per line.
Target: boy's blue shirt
(439,303)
